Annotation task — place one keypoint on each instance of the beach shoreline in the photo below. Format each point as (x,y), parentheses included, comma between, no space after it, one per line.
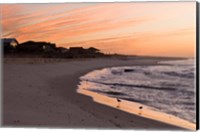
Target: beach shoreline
(44,95)
(133,108)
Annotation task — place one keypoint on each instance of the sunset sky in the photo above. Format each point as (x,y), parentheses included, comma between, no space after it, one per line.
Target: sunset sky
(140,28)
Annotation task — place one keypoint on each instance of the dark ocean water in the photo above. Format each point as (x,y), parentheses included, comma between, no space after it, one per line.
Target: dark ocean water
(169,87)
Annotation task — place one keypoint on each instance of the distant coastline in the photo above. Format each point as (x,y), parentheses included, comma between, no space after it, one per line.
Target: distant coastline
(33,49)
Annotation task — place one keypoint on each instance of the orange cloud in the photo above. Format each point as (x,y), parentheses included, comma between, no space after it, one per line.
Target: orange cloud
(145,28)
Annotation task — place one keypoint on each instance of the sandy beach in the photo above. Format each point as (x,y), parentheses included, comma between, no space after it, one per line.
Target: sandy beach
(42,93)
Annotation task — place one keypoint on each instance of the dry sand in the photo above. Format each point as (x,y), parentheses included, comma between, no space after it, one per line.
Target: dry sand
(44,94)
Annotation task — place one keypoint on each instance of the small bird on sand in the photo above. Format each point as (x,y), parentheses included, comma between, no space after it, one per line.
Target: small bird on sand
(118,100)
(140,110)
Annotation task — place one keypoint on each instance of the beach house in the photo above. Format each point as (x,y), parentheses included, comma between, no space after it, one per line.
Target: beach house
(9,44)
(36,47)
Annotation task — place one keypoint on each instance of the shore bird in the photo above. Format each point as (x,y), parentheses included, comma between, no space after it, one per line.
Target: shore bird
(118,100)
(141,107)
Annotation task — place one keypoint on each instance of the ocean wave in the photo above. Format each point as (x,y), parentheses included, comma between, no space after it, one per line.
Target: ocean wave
(135,86)
(168,88)
(184,75)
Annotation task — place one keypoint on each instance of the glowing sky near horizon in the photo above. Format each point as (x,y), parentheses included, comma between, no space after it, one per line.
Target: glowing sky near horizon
(143,28)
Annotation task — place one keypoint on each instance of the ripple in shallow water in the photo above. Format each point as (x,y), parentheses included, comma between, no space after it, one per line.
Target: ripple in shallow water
(169,88)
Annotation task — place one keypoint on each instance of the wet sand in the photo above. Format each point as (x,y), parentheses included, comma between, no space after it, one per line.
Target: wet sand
(42,93)
(135,108)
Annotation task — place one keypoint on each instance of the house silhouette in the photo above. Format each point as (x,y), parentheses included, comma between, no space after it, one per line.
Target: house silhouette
(9,44)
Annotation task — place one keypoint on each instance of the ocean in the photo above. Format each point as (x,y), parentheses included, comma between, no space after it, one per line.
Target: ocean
(168,87)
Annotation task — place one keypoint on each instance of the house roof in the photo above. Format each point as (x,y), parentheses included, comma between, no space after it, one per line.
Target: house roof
(93,49)
(8,40)
(36,44)
(76,48)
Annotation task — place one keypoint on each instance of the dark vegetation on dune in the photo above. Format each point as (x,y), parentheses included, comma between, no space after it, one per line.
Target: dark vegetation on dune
(11,47)
(32,49)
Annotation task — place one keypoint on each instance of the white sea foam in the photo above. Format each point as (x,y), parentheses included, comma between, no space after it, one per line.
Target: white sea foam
(169,87)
